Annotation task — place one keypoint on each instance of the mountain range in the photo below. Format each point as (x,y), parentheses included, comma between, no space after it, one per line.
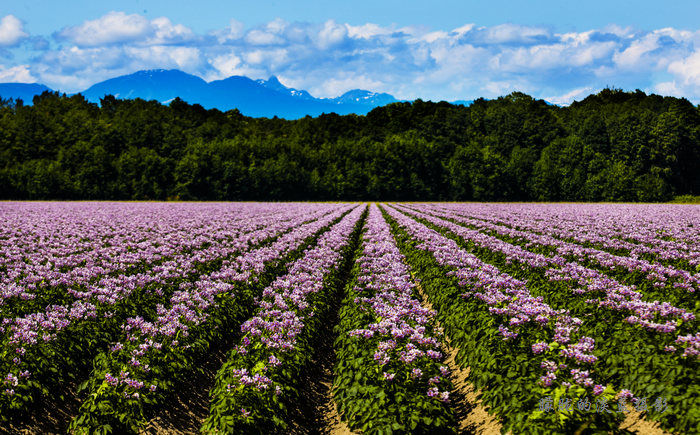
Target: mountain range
(256,98)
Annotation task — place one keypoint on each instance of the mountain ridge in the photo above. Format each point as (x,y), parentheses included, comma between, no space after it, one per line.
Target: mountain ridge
(255,98)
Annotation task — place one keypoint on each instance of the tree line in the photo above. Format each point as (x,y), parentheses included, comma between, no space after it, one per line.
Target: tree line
(611,146)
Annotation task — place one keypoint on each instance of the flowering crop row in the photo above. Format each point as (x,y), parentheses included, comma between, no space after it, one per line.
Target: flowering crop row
(259,381)
(537,351)
(631,357)
(153,353)
(45,349)
(75,262)
(663,276)
(389,373)
(583,280)
(541,315)
(663,232)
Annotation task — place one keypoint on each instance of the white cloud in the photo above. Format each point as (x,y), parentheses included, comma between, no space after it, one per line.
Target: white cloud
(668,88)
(633,55)
(234,31)
(463,29)
(337,86)
(571,96)
(72,60)
(118,27)
(367,31)
(688,69)
(331,34)
(112,28)
(187,59)
(227,65)
(259,37)
(11,31)
(16,74)
(167,32)
(272,58)
(330,58)
(434,36)
(687,77)
(511,33)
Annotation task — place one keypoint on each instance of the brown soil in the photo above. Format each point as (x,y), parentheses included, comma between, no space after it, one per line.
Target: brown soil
(471,414)
(635,423)
(186,411)
(316,412)
(51,416)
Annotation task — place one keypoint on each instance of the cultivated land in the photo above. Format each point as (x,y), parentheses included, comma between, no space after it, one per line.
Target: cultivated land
(349,318)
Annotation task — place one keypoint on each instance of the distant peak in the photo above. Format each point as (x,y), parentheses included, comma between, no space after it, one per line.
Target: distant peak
(272,83)
(359,93)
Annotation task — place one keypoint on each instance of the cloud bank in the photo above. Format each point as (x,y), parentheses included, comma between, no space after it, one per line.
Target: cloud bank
(330,58)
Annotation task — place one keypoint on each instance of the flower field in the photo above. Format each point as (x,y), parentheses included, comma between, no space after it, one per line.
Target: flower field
(568,318)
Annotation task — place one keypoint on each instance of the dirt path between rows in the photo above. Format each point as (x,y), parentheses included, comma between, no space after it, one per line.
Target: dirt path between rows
(316,412)
(186,411)
(471,414)
(50,416)
(635,423)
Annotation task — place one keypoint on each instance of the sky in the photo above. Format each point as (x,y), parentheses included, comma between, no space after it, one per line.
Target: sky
(558,50)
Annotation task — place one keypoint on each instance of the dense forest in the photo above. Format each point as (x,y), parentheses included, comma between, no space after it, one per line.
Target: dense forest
(613,146)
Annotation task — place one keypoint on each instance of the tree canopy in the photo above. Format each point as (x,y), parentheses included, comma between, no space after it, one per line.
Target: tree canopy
(612,146)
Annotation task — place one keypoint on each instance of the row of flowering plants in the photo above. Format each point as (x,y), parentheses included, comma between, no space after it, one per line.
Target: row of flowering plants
(45,351)
(140,371)
(657,280)
(389,374)
(655,316)
(519,349)
(256,386)
(663,232)
(641,336)
(48,267)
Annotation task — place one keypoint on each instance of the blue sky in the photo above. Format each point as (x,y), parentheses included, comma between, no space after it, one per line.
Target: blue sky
(560,50)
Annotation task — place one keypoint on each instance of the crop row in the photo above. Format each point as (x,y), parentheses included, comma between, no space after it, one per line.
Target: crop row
(42,351)
(635,348)
(136,375)
(660,232)
(559,333)
(389,374)
(259,381)
(582,280)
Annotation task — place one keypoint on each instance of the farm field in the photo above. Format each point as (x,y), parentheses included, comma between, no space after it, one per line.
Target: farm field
(349,317)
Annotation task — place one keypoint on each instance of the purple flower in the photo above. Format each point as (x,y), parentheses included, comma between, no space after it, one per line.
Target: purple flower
(625,395)
(445,396)
(111,380)
(540,347)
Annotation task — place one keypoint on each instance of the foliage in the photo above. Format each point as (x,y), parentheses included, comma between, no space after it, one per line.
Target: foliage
(612,146)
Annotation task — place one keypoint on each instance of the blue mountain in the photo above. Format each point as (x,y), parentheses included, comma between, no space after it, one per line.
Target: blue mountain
(256,98)
(161,85)
(23,91)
